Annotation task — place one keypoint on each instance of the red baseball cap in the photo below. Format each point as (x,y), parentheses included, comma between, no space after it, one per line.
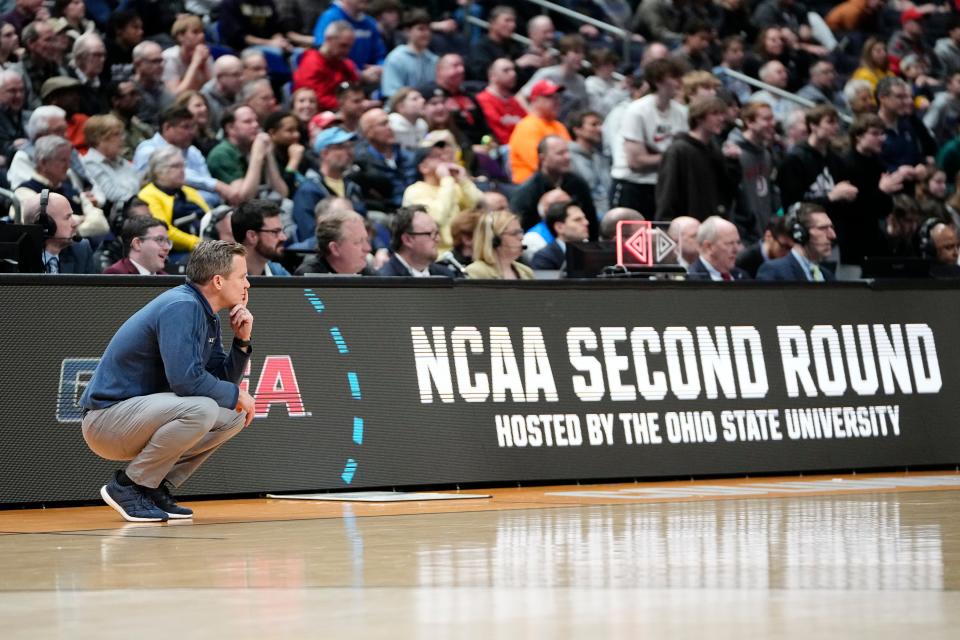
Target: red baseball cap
(325,119)
(545,88)
(909,15)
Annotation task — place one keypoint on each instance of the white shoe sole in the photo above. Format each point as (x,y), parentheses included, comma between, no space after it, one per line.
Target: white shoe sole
(110,501)
(178,516)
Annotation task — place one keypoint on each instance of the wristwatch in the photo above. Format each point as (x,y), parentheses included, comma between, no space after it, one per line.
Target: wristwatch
(243,344)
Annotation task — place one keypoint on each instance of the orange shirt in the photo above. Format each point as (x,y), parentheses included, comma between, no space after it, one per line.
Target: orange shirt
(528,133)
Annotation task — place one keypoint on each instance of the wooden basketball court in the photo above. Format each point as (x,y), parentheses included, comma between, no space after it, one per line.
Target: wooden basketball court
(867,555)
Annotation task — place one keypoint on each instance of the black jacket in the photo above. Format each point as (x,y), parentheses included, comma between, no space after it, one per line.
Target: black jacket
(789,269)
(751,258)
(551,257)
(700,269)
(395,268)
(318,264)
(696,180)
(806,175)
(524,200)
(859,223)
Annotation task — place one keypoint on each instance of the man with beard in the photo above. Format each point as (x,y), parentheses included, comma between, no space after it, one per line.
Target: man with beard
(256,225)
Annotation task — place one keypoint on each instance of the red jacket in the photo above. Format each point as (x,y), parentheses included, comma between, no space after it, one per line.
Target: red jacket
(502,115)
(124,267)
(322,74)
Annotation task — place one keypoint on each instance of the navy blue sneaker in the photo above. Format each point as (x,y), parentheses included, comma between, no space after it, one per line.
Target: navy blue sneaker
(164,501)
(131,503)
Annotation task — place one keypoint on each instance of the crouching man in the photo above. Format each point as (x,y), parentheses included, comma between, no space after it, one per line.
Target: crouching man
(165,395)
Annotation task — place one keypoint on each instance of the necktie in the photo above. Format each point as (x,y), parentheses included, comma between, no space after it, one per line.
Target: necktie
(53,265)
(817,274)
(726,277)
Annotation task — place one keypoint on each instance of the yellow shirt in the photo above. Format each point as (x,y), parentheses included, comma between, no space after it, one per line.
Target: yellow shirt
(337,186)
(443,201)
(161,207)
(873,76)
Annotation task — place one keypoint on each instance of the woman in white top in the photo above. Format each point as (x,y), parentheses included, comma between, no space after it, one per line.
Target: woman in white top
(114,178)
(406,117)
(187,65)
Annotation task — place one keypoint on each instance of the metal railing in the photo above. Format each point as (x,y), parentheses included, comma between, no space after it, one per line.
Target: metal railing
(786,95)
(483,24)
(623,34)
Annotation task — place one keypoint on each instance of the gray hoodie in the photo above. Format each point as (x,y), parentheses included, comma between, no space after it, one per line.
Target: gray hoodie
(758,198)
(595,169)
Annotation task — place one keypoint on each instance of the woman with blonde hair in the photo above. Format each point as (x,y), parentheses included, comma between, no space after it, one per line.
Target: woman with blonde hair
(113,176)
(497,247)
(406,117)
(188,65)
(170,200)
(874,64)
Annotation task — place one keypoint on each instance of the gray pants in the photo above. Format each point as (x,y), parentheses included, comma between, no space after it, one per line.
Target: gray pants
(164,436)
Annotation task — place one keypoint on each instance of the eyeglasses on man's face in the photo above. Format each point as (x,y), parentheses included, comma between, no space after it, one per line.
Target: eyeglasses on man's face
(435,234)
(163,241)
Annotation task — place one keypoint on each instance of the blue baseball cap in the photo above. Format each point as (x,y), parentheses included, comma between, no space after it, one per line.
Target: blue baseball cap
(333,135)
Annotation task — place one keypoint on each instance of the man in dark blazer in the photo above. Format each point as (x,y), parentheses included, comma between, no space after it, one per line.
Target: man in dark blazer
(568,223)
(414,245)
(776,243)
(719,244)
(63,250)
(813,235)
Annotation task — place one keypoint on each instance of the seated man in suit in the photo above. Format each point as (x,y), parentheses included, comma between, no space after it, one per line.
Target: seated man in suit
(146,245)
(813,235)
(776,243)
(719,243)
(63,250)
(416,241)
(568,223)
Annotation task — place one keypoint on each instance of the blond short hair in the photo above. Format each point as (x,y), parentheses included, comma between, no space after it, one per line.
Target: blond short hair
(185,23)
(98,128)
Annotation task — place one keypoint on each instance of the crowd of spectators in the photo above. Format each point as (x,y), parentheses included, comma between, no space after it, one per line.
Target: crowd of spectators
(401,139)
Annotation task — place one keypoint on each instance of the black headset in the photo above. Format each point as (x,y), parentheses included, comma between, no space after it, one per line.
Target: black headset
(495,238)
(928,248)
(210,232)
(798,231)
(48,224)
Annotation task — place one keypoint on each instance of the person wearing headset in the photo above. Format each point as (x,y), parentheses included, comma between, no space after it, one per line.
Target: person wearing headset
(940,246)
(813,235)
(497,247)
(64,251)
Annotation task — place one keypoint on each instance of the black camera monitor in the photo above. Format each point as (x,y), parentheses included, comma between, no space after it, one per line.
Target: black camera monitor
(21,248)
